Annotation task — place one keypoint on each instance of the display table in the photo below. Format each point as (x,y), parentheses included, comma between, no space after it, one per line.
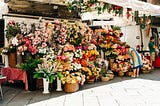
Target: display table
(15,74)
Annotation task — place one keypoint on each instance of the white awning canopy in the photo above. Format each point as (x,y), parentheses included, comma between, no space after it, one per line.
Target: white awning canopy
(3,8)
(136,5)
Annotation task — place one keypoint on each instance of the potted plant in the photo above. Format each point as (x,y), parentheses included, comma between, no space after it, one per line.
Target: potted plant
(71,80)
(72,75)
(102,65)
(29,66)
(47,71)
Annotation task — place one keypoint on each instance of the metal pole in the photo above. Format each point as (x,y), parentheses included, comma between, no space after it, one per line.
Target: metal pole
(141,39)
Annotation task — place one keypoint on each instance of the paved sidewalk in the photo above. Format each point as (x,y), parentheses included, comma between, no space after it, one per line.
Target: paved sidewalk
(121,91)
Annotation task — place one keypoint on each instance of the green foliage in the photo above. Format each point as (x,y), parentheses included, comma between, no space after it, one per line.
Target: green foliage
(116,28)
(103,72)
(49,76)
(107,6)
(30,64)
(12,30)
(136,16)
(92,5)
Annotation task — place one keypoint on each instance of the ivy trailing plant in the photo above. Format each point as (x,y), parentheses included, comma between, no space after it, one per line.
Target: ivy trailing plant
(93,5)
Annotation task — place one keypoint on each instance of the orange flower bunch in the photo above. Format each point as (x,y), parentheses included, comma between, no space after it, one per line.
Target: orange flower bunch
(90,54)
(91,72)
(63,65)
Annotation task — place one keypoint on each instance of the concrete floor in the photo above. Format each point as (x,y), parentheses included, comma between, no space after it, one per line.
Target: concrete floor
(121,91)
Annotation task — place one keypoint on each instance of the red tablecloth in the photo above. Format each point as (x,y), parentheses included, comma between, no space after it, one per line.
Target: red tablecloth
(15,74)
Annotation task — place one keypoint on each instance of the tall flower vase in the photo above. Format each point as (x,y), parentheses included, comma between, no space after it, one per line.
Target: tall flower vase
(59,85)
(45,86)
(12,59)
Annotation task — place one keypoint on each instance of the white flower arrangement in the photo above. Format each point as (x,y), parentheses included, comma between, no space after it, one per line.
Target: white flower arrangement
(78,53)
(42,50)
(69,55)
(76,66)
(14,41)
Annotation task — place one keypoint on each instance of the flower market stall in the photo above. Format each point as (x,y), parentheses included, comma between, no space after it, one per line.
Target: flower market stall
(72,53)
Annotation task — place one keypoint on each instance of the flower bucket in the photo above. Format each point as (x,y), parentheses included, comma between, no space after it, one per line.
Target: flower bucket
(45,86)
(12,59)
(59,88)
(69,88)
(31,81)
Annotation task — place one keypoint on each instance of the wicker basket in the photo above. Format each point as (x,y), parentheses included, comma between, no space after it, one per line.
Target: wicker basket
(145,71)
(90,81)
(121,74)
(69,88)
(111,76)
(129,73)
(105,79)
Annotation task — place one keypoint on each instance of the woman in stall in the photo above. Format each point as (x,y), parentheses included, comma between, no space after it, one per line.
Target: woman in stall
(136,60)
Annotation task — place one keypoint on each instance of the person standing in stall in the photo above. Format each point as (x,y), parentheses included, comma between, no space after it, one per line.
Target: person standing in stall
(136,60)
(152,50)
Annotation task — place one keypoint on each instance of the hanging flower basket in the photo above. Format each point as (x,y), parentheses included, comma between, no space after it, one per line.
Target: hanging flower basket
(69,88)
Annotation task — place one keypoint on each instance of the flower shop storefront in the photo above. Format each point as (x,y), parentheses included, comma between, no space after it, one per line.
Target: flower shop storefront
(73,54)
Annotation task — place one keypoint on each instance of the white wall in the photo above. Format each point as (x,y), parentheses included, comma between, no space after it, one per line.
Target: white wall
(130,34)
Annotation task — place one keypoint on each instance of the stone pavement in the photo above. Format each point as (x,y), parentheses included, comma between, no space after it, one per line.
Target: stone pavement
(121,91)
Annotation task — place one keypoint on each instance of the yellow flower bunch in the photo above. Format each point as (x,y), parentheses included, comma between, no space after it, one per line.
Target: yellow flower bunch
(71,78)
(94,52)
(90,72)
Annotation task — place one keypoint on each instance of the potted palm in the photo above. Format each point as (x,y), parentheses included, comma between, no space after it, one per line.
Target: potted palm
(29,66)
